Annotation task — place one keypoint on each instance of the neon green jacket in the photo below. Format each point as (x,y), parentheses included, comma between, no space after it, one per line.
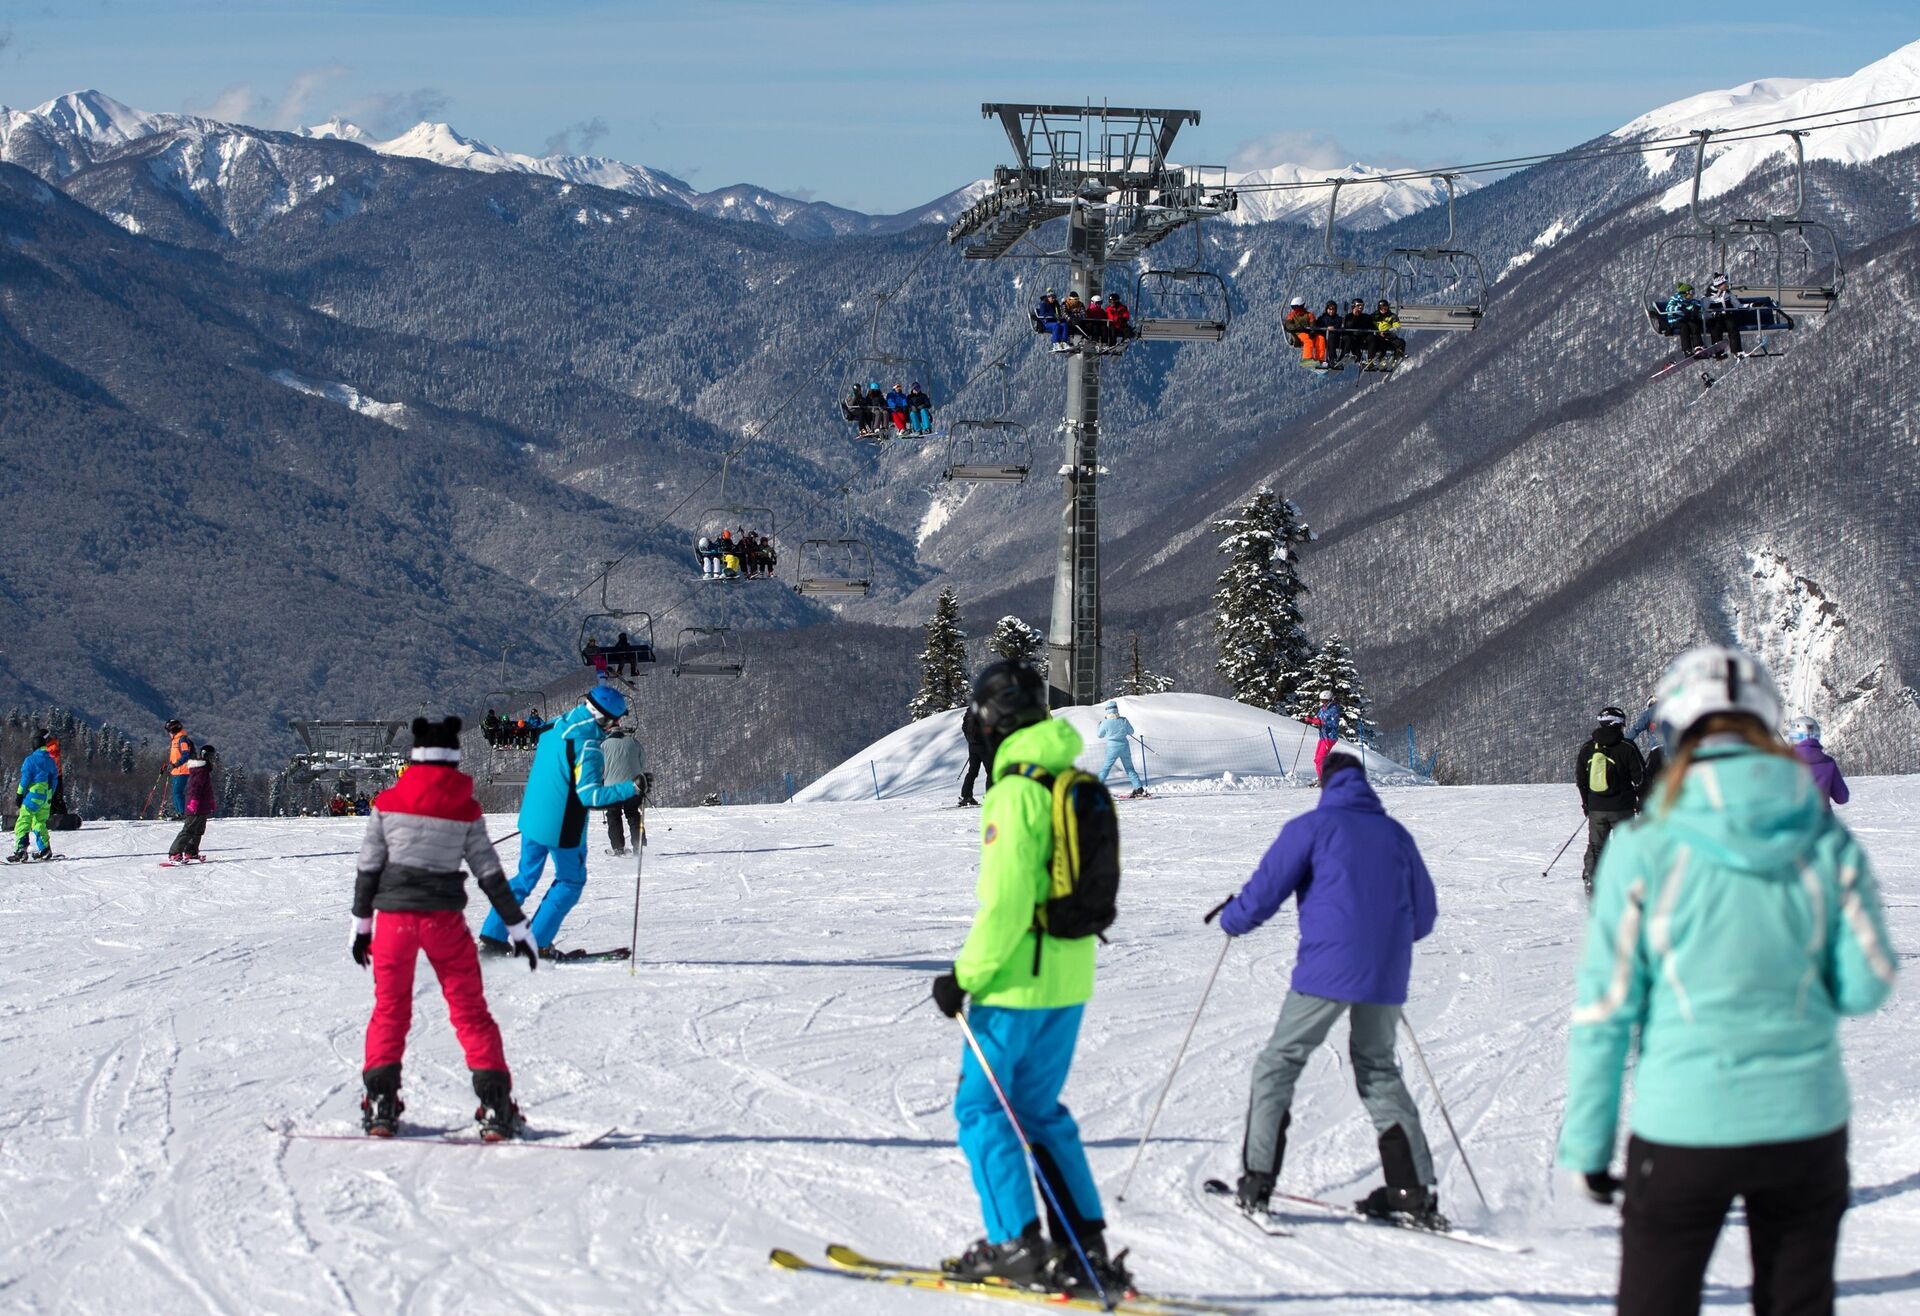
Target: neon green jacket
(1728,937)
(1016,848)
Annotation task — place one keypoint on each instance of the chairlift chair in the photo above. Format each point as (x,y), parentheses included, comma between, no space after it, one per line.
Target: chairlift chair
(1181,305)
(508,764)
(1384,280)
(731,517)
(878,366)
(603,629)
(1818,247)
(842,565)
(988,450)
(706,651)
(1445,285)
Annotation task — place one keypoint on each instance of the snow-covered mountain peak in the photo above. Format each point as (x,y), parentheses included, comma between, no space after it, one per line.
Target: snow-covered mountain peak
(1768,100)
(1377,199)
(98,117)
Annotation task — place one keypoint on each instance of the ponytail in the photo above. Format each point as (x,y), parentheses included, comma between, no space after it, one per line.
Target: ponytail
(1744,725)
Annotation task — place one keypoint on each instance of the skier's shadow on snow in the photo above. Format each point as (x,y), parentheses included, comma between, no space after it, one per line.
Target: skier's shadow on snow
(762,849)
(917,966)
(1880,1192)
(823,1140)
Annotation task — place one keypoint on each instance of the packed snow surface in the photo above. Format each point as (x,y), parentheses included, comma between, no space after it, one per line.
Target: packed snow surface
(778,1076)
(1181,742)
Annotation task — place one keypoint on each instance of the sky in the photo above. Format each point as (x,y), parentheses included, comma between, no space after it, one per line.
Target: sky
(876,106)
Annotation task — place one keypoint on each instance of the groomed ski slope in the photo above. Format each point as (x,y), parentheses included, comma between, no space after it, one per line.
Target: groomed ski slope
(777,1051)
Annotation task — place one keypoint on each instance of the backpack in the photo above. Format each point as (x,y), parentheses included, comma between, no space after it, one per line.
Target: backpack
(1600,771)
(1083,895)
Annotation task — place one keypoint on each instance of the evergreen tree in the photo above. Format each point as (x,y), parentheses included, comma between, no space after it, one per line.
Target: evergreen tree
(1332,669)
(1013,638)
(943,663)
(1140,680)
(1263,645)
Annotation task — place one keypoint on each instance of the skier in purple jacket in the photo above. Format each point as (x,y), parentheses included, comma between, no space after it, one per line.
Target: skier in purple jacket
(1364,898)
(1803,733)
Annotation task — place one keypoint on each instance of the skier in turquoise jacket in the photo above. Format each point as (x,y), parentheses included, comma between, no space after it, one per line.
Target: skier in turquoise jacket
(1734,924)
(1115,731)
(563,783)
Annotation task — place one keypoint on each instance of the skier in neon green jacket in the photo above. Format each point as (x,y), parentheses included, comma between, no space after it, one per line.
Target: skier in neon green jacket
(1733,926)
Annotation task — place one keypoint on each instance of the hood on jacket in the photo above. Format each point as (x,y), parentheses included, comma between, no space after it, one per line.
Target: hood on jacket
(1052,744)
(1752,811)
(1809,750)
(435,790)
(1350,790)
(1607,735)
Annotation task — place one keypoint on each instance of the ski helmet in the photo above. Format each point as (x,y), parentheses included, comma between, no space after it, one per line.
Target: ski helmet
(607,702)
(208,753)
(1298,301)
(173,725)
(1009,694)
(1802,728)
(1714,679)
(1612,716)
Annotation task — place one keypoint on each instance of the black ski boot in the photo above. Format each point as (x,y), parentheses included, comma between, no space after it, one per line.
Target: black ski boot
(1254,1190)
(380,1108)
(1109,1274)
(1021,1261)
(19,855)
(494,946)
(1403,1195)
(498,1116)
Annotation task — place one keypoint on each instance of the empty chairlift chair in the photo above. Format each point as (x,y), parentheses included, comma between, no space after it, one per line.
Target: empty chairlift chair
(1443,287)
(842,566)
(707,651)
(1181,306)
(989,450)
(1785,258)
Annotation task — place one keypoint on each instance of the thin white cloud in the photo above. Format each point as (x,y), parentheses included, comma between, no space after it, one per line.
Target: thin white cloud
(1316,150)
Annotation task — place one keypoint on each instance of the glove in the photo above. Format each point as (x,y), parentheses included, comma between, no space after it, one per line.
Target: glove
(193,806)
(1600,1185)
(520,939)
(363,942)
(1214,913)
(949,995)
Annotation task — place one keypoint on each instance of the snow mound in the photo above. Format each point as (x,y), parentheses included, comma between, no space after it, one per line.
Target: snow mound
(1183,742)
(345,395)
(1770,99)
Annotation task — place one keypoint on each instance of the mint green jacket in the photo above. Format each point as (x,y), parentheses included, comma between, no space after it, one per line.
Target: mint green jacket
(1728,937)
(1016,853)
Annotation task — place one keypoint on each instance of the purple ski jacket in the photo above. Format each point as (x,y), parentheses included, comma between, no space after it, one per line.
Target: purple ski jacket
(1826,773)
(1363,891)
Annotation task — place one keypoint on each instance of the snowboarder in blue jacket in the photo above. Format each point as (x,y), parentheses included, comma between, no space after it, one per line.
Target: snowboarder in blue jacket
(1114,731)
(39,782)
(564,782)
(1365,898)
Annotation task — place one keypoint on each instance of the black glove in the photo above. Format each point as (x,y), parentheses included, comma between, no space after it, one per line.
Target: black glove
(1214,913)
(1601,1186)
(363,949)
(949,995)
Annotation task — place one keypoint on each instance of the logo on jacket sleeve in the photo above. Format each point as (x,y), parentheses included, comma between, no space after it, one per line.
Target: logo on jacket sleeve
(991,835)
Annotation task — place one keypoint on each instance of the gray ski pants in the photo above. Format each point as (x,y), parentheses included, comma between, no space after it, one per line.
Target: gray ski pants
(1303,1025)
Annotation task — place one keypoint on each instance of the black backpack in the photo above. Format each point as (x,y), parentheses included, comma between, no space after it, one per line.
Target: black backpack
(1084,895)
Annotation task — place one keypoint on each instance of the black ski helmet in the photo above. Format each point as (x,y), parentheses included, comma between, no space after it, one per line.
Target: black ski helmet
(1009,694)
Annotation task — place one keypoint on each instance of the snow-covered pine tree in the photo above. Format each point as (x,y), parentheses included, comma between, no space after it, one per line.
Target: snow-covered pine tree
(943,663)
(1140,680)
(1332,669)
(1263,645)
(1013,638)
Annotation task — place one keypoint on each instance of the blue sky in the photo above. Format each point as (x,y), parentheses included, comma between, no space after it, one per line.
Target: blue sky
(876,106)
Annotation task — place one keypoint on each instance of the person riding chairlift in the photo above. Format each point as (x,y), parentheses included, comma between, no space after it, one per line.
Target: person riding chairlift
(1362,341)
(1120,318)
(1328,323)
(1054,321)
(1097,326)
(1385,323)
(919,410)
(1312,343)
(896,401)
(1683,315)
(1723,315)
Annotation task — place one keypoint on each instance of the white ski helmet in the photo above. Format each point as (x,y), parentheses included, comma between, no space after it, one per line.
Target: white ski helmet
(1714,679)
(1802,728)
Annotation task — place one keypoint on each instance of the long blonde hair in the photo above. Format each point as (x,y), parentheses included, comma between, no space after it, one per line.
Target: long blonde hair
(1744,725)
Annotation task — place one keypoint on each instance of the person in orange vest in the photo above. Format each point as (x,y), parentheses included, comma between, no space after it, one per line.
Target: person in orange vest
(179,750)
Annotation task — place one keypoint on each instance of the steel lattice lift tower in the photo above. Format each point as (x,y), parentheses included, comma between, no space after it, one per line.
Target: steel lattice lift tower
(1106,172)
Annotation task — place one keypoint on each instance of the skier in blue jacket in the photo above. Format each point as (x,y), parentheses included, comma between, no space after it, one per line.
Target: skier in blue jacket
(39,783)
(562,784)
(1365,898)
(1734,925)
(1114,731)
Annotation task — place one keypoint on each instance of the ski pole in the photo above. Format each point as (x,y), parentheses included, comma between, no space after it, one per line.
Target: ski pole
(1179,1055)
(1441,1102)
(639,863)
(1294,771)
(1038,1173)
(1562,850)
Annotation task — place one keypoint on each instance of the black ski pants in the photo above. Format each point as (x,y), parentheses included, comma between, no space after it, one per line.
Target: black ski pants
(976,757)
(187,840)
(629,811)
(1678,1197)
(1600,825)
(1688,330)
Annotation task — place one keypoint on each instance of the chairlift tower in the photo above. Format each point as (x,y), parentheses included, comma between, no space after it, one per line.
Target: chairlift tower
(1106,171)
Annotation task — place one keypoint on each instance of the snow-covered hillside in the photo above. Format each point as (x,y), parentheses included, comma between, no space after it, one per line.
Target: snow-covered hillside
(1181,742)
(1774,99)
(778,1076)
(1367,205)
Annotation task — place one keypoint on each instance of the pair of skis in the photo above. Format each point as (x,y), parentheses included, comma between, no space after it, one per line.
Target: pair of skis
(468,1136)
(1275,1224)
(851,1265)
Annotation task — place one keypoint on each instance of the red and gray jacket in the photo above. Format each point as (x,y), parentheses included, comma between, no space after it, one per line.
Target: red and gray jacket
(418,831)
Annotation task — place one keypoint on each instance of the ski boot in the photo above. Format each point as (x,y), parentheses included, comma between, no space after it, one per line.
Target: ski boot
(1139,793)
(967,802)
(1021,1261)
(19,854)
(1101,1274)
(1403,1196)
(494,946)
(1253,1191)
(498,1116)
(39,856)
(380,1108)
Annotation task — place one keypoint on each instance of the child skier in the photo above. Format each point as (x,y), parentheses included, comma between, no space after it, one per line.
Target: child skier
(1029,991)
(1115,731)
(1365,898)
(200,800)
(1733,926)
(39,782)
(418,831)
(1803,733)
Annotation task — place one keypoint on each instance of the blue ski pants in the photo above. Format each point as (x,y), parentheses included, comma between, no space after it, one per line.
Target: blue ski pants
(1118,751)
(180,794)
(569,877)
(1030,1052)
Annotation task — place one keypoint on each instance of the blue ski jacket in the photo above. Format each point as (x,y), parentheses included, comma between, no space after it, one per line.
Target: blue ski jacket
(39,778)
(1363,892)
(1679,307)
(1328,720)
(567,778)
(1113,728)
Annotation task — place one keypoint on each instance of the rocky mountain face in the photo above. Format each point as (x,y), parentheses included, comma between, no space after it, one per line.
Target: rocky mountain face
(327,429)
